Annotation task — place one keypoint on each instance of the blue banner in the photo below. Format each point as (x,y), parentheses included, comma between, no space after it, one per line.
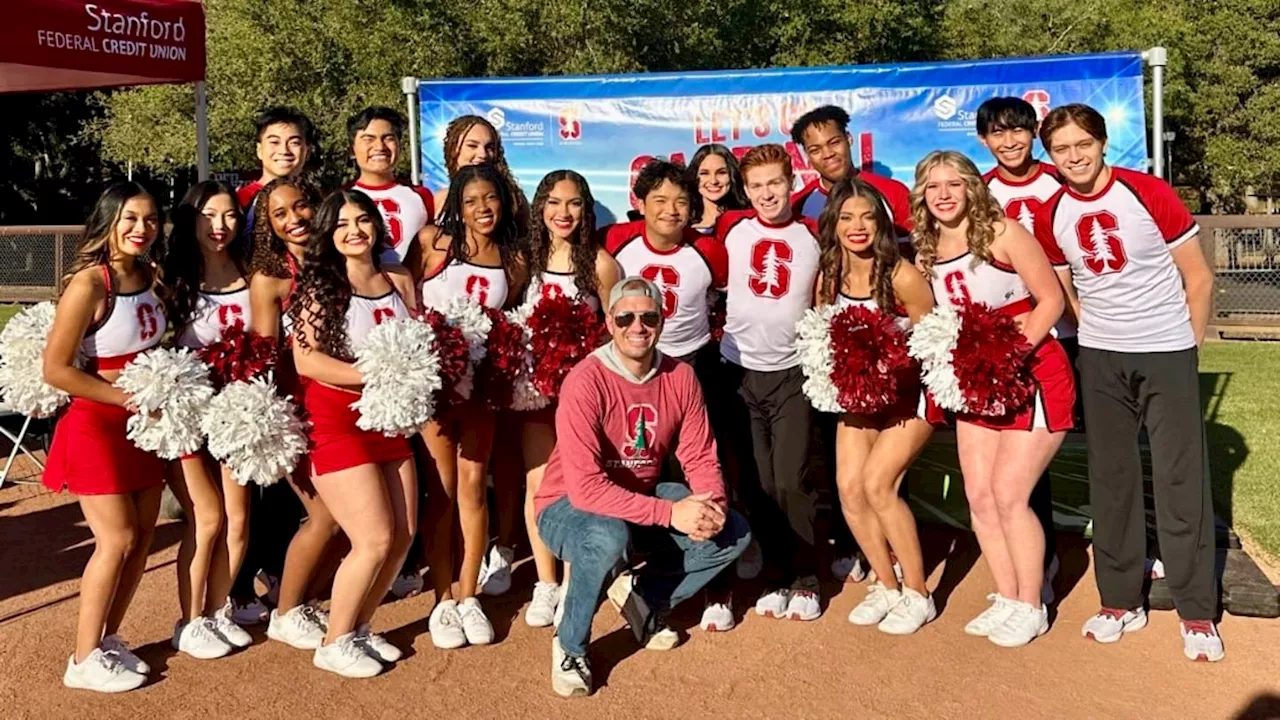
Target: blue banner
(608,126)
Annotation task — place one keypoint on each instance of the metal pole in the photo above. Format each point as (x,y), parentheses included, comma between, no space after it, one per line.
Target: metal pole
(1158,58)
(409,86)
(202,133)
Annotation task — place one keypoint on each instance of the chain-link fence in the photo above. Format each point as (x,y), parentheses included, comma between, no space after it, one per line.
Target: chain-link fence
(1245,253)
(32,259)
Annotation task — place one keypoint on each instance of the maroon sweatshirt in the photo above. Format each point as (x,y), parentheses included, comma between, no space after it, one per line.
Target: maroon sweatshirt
(613,431)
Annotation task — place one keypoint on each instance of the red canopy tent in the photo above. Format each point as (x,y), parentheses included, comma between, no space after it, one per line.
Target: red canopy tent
(48,45)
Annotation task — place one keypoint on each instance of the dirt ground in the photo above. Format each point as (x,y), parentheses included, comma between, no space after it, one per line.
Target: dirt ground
(762,669)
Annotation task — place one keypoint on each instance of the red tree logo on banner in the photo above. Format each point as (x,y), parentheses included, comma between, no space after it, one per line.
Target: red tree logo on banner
(571,122)
(1039,99)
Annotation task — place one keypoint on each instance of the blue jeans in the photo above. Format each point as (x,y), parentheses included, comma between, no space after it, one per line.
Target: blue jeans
(595,546)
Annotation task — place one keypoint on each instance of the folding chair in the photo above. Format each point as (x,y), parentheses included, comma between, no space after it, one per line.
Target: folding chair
(17,441)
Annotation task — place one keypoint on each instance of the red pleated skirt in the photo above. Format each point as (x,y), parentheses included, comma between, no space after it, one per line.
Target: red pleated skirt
(90,454)
(335,442)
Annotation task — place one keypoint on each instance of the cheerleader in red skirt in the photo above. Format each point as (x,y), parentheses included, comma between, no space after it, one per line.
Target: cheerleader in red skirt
(968,250)
(107,311)
(471,252)
(861,265)
(204,291)
(365,479)
(281,229)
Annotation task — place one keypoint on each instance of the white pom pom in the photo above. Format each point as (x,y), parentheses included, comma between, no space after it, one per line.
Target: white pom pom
(22,384)
(401,374)
(468,316)
(817,357)
(254,432)
(171,390)
(524,395)
(932,342)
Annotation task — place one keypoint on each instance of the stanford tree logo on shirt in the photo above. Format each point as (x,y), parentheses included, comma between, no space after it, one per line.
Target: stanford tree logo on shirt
(642,418)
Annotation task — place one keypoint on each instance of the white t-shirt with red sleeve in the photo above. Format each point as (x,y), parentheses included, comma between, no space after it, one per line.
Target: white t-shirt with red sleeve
(1020,200)
(406,209)
(772,271)
(1117,243)
(812,198)
(684,274)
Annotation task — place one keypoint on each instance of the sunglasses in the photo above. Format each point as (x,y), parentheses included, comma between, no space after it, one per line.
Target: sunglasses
(624,319)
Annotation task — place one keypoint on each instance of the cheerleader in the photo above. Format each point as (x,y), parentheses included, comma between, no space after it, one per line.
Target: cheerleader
(204,291)
(472,140)
(365,479)
(714,171)
(564,258)
(861,266)
(282,226)
(109,313)
(471,252)
(969,251)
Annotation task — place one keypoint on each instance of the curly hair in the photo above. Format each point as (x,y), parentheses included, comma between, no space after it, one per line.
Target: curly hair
(182,270)
(506,232)
(323,284)
(734,199)
(982,210)
(94,247)
(268,250)
(454,133)
(884,246)
(584,244)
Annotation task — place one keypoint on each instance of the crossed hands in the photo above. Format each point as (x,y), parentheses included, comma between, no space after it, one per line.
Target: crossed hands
(698,516)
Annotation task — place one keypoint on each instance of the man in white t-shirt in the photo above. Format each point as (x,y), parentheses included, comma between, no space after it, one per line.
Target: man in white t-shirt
(375,135)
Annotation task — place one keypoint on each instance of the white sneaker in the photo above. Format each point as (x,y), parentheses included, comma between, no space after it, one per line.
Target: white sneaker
(407,585)
(1024,624)
(751,562)
(803,605)
(717,617)
(112,645)
(251,614)
(630,603)
(774,603)
(298,628)
(102,673)
(876,606)
(228,630)
(848,569)
(445,626)
(475,625)
(1046,590)
(544,605)
(1155,568)
(199,639)
(991,618)
(347,658)
(570,676)
(1110,624)
(321,616)
(910,614)
(495,576)
(1200,641)
(377,645)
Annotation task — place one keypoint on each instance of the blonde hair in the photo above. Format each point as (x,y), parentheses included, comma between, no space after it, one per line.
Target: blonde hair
(981,209)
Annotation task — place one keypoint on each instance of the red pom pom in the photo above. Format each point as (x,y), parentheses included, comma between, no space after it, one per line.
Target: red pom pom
(562,331)
(503,359)
(455,356)
(238,355)
(870,364)
(990,361)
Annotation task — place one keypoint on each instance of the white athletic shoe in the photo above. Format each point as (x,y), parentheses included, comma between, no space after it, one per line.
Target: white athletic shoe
(495,575)
(717,617)
(199,639)
(774,603)
(377,645)
(910,614)
(1046,590)
(803,605)
(228,630)
(1200,641)
(848,569)
(112,645)
(991,618)
(298,628)
(407,585)
(102,673)
(544,605)
(1111,624)
(321,616)
(445,626)
(1024,624)
(751,562)
(475,625)
(1155,568)
(251,614)
(347,658)
(650,628)
(570,676)
(876,606)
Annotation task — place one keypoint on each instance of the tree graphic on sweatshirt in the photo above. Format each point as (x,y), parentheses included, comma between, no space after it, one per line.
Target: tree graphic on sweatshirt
(639,447)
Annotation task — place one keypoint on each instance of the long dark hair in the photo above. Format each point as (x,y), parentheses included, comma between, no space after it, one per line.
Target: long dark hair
(323,285)
(584,247)
(884,247)
(455,131)
(268,249)
(506,232)
(94,247)
(734,199)
(182,270)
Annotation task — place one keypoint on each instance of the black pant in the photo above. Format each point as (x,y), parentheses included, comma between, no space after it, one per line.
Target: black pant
(274,516)
(706,366)
(1161,391)
(772,419)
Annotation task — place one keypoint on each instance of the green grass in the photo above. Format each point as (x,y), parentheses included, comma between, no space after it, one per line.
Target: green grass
(6,312)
